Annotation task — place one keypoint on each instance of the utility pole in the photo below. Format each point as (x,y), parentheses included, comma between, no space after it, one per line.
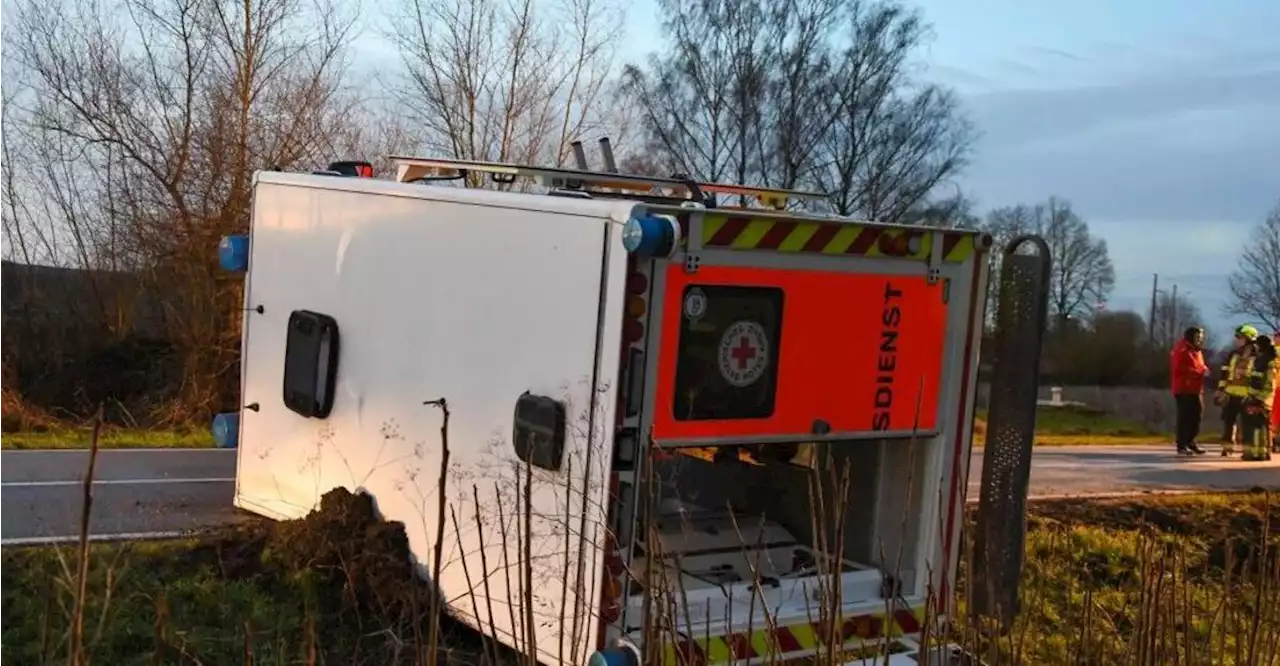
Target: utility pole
(1151,320)
(1173,314)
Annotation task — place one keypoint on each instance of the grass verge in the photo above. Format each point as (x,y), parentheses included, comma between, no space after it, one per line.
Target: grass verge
(1080,426)
(26,426)
(64,437)
(1185,579)
(335,587)
(1189,579)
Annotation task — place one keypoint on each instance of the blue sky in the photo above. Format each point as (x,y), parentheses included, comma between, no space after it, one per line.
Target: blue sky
(1158,119)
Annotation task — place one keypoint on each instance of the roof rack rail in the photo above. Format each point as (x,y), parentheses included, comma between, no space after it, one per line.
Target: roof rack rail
(597,183)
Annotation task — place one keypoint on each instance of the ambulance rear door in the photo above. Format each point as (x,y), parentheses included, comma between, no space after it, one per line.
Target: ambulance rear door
(780,330)
(776,328)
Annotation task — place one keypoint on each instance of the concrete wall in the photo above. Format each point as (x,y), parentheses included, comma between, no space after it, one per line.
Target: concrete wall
(1150,406)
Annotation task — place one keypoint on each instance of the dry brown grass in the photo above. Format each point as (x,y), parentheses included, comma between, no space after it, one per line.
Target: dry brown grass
(18,415)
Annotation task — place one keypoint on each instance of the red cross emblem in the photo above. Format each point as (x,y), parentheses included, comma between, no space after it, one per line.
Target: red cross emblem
(743,353)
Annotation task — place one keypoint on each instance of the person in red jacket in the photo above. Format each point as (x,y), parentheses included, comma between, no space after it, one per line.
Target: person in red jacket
(1187,371)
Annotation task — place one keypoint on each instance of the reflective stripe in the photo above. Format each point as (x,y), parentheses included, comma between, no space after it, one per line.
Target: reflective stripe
(1236,371)
(798,637)
(1262,383)
(742,232)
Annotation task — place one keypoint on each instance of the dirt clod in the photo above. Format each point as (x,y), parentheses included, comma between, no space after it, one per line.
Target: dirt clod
(351,552)
(355,575)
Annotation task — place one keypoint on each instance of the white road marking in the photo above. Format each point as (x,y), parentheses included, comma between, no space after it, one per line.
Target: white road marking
(1111,494)
(1083,466)
(123,536)
(1188,464)
(110,482)
(141,450)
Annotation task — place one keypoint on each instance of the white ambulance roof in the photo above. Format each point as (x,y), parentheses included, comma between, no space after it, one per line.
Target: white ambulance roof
(619,210)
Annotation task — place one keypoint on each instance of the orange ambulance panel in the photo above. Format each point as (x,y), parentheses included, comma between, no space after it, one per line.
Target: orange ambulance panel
(860,352)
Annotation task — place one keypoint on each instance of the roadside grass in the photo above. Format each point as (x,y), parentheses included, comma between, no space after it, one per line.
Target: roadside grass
(158,602)
(335,587)
(1079,426)
(1160,580)
(68,437)
(26,426)
(1190,579)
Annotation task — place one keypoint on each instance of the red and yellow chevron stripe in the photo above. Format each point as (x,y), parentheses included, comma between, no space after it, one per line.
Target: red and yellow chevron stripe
(782,235)
(801,637)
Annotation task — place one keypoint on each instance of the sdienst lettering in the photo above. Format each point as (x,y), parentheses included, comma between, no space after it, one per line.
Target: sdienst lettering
(887,358)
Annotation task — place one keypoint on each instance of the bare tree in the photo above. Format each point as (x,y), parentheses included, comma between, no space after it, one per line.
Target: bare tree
(802,73)
(819,96)
(955,211)
(1173,315)
(491,80)
(1083,275)
(702,99)
(21,242)
(892,139)
(1004,224)
(1255,284)
(624,123)
(146,119)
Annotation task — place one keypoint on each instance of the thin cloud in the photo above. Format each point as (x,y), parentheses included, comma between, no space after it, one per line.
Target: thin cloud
(1172,163)
(1052,52)
(1104,49)
(1018,67)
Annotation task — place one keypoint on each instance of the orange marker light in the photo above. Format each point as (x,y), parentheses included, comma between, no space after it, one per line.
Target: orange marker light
(635,307)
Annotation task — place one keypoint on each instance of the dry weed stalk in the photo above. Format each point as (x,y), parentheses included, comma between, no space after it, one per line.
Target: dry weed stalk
(433,637)
(76,655)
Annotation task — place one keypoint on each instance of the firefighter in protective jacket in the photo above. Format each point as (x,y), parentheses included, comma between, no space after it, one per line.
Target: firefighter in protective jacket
(1264,373)
(1233,385)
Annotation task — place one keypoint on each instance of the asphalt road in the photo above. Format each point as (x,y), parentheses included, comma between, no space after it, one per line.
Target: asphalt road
(162,492)
(136,491)
(1106,470)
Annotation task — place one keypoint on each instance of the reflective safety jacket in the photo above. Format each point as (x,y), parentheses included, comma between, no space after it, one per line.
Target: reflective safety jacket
(1263,378)
(1234,380)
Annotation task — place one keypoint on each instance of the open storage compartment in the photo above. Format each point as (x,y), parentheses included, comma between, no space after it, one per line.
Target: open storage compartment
(718,527)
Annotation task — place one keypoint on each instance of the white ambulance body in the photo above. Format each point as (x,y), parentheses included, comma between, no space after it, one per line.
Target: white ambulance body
(586,345)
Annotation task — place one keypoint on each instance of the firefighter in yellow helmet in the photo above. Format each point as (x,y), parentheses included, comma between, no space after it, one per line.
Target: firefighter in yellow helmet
(1264,373)
(1233,385)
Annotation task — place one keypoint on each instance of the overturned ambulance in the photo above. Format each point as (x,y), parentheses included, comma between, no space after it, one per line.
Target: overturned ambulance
(678,432)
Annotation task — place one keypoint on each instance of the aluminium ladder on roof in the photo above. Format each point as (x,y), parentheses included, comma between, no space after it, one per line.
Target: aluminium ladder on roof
(417,169)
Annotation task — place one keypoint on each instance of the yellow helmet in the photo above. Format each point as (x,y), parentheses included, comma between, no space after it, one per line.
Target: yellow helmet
(1247,332)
